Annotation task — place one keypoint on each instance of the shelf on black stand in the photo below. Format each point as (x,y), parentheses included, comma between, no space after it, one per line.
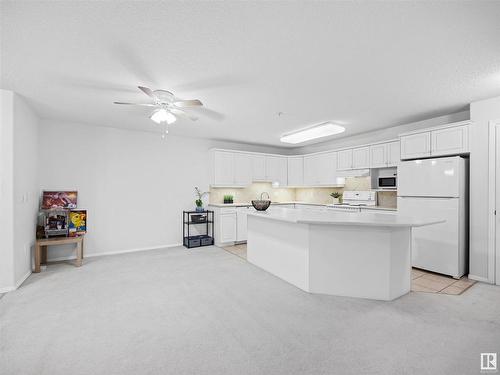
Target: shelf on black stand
(198,240)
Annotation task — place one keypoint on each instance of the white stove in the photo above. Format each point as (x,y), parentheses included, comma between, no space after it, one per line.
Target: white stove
(354,200)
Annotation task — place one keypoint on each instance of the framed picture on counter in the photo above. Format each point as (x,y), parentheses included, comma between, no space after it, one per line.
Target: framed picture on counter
(59,199)
(77,223)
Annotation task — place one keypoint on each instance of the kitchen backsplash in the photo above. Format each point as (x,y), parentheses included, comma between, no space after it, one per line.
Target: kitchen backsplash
(252,192)
(308,195)
(357,183)
(315,195)
(322,195)
(387,199)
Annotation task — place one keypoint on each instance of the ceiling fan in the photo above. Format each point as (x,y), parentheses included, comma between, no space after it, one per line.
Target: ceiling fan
(167,107)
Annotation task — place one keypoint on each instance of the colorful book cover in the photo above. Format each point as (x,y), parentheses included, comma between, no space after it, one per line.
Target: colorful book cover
(59,199)
(77,223)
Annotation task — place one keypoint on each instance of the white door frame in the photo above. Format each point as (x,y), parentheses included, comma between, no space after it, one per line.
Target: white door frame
(493,254)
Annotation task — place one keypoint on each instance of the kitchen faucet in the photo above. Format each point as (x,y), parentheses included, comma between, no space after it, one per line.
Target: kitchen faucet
(268,197)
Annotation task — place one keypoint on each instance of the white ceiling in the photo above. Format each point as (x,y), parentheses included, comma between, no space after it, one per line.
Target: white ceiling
(368,65)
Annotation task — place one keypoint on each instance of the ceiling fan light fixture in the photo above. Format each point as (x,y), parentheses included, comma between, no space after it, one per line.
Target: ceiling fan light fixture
(162,115)
(324,129)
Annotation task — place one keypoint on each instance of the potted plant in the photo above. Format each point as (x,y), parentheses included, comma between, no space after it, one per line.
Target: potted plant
(228,199)
(199,200)
(336,197)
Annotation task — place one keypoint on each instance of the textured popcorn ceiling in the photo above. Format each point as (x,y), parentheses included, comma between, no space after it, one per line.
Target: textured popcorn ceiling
(366,64)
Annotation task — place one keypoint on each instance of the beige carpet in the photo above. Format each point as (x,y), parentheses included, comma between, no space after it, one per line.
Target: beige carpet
(204,311)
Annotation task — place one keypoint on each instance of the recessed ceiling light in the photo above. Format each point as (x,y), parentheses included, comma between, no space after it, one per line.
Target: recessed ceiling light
(317,131)
(162,115)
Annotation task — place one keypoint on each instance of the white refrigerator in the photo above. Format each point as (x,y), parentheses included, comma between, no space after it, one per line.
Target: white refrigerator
(437,188)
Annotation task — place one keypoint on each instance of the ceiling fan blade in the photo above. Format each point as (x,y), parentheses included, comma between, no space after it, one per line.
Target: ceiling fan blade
(181,113)
(139,104)
(187,103)
(148,92)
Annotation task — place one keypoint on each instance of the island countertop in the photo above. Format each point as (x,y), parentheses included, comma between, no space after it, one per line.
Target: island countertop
(300,216)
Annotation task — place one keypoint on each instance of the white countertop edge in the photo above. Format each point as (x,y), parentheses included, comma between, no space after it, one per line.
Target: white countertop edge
(361,221)
(374,208)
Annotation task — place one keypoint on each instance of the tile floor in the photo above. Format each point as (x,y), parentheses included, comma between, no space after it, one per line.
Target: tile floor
(422,281)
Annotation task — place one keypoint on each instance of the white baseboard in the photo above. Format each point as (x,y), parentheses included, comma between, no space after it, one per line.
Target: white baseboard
(479,278)
(17,284)
(23,279)
(116,252)
(7,289)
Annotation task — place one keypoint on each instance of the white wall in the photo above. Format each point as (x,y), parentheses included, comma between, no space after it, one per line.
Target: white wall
(134,185)
(19,188)
(382,134)
(26,188)
(6,190)
(481,261)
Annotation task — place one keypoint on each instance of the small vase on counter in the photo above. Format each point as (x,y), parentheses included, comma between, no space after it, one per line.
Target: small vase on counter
(336,197)
(199,200)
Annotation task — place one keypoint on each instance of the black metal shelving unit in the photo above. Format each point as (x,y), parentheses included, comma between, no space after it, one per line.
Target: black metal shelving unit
(198,218)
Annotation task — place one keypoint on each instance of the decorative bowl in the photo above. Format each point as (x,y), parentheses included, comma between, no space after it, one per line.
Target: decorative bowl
(261,205)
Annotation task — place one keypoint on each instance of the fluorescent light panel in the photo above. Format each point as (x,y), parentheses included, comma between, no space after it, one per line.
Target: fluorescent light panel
(162,115)
(317,131)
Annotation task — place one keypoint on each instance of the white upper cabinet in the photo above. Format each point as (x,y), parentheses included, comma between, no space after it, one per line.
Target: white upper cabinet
(328,168)
(384,155)
(223,168)
(295,171)
(243,167)
(361,157)
(416,145)
(393,154)
(258,167)
(344,159)
(378,155)
(276,169)
(450,141)
(320,169)
(311,170)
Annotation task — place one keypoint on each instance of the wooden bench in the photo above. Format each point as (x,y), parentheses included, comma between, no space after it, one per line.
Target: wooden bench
(41,249)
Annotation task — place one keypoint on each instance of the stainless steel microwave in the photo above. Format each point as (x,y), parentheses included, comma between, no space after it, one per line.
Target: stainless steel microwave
(387,182)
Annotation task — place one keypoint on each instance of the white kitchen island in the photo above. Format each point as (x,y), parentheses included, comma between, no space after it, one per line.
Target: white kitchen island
(366,255)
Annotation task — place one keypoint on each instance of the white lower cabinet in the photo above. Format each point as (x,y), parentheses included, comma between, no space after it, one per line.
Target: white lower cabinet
(241,223)
(226,226)
(230,224)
